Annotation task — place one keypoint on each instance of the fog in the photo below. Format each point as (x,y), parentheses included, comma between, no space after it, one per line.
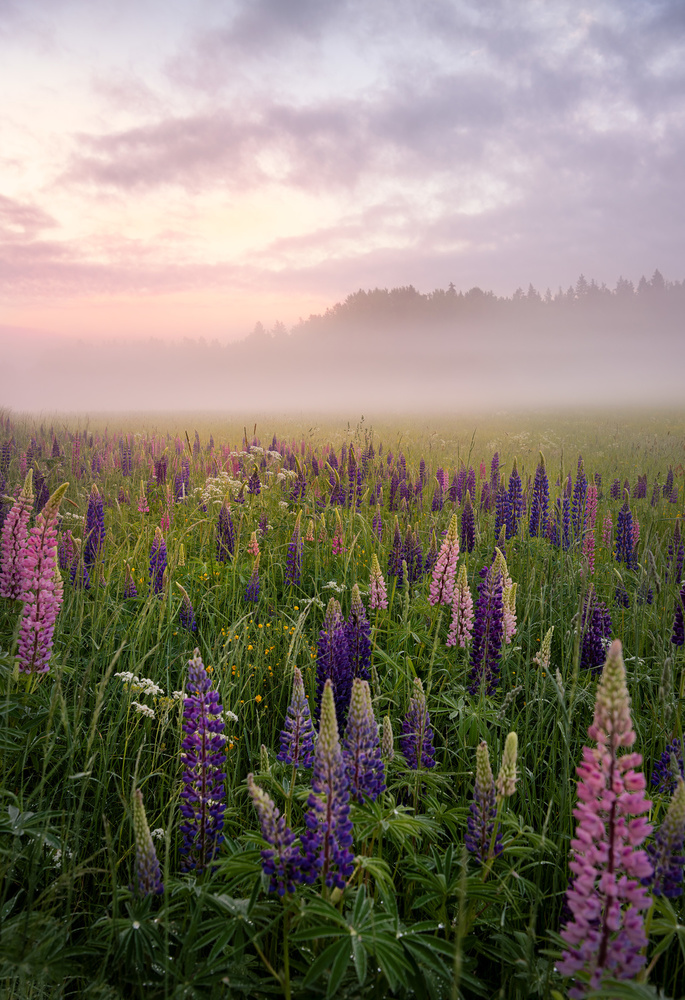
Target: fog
(396,351)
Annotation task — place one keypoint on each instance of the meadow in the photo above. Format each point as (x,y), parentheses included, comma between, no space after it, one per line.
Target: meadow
(481,572)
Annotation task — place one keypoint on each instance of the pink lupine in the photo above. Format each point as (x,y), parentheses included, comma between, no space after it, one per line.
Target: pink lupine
(442,584)
(378,594)
(253,546)
(589,549)
(591,507)
(635,530)
(42,593)
(606,934)
(607,531)
(461,626)
(13,541)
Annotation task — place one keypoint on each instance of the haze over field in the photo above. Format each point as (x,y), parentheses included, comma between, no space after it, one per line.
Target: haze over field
(188,170)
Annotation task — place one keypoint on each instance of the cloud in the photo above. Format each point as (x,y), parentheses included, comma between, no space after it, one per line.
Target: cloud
(20,221)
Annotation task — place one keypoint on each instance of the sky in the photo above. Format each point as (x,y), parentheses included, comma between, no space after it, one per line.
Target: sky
(190,167)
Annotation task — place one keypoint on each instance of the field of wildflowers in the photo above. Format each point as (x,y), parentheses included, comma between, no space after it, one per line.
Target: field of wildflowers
(349,710)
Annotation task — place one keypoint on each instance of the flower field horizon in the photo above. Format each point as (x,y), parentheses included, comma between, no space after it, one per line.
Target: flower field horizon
(305,706)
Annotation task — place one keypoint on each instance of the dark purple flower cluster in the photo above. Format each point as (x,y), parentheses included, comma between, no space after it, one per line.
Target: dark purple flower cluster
(94,532)
(667,852)
(293,561)
(624,538)
(252,589)
(282,860)
(157,562)
(578,505)
(225,539)
(483,812)
(416,741)
(202,755)
(297,735)
(595,631)
(361,746)
(395,555)
(468,525)
(488,632)
(515,503)
(676,555)
(147,864)
(678,634)
(186,614)
(254,485)
(161,465)
(540,502)
(668,767)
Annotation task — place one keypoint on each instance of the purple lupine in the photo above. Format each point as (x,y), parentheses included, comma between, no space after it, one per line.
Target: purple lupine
(202,756)
(515,503)
(479,839)
(148,872)
(668,485)
(395,555)
(468,525)
(461,626)
(281,860)
(605,935)
(361,747)
(378,596)
(157,562)
(358,632)
(254,485)
(252,589)
(377,523)
(225,540)
(442,583)
(333,662)
(488,631)
(578,503)
(66,550)
(540,502)
(186,615)
(327,838)
(678,633)
(595,630)
(676,555)
(94,531)
(416,741)
(41,590)
(297,735)
(431,555)
(667,852)
(13,542)
(438,500)
(501,507)
(624,537)
(669,767)
(79,576)
(293,561)
(130,589)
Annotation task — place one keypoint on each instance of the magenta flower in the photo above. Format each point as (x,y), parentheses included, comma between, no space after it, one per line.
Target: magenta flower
(13,541)
(605,935)
(42,593)
(442,584)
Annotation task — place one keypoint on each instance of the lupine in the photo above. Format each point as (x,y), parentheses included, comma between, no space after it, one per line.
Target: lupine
(378,596)
(544,654)
(148,872)
(579,502)
(669,767)
(253,547)
(297,735)
(624,537)
(377,523)
(442,583)
(281,860)
(333,661)
(293,562)
(42,590)
(387,739)
(416,742)
(225,540)
(94,531)
(158,559)
(506,778)
(667,852)
(607,531)
(130,589)
(488,632)
(540,501)
(515,502)
(395,555)
(461,626)
(468,525)
(595,626)
(361,747)
(202,755)
(13,541)
(358,631)
(186,615)
(605,935)
(327,839)
(479,838)
(253,586)
(678,633)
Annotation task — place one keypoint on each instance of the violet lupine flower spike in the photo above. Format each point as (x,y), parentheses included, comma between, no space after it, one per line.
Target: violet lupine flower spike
(225,539)
(293,566)
(461,626)
(252,589)
(479,839)
(281,861)
(667,853)
(488,632)
(416,742)
(42,589)
(14,534)
(358,633)
(186,615)
(468,525)
(378,593)
(202,806)
(297,735)
(361,746)
(327,839)
(442,584)
(94,530)
(148,871)
(157,562)
(605,935)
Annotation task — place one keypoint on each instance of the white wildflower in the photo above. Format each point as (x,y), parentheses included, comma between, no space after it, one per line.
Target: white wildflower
(143,709)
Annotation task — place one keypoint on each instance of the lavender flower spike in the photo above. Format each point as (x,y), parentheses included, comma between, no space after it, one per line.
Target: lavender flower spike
(416,741)
(202,806)
(157,562)
(442,584)
(147,864)
(361,746)
(605,935)
(461,626)
(293,569)
(186,615)
(42,593)
(327,839)
(483,812)
(667,853)
(378,592)
(13,541)
(297,735)
(281,861)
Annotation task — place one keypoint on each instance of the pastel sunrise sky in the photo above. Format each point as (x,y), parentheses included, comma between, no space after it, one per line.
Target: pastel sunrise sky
(181,168)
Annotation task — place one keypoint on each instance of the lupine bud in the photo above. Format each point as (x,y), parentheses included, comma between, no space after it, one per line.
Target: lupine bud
(387,739)
(281,861)
(297,735)
(483,811)
(416,741)
(361,747)
(147,866)
(542,657)
(668,850)
(506,779)
(186,614)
